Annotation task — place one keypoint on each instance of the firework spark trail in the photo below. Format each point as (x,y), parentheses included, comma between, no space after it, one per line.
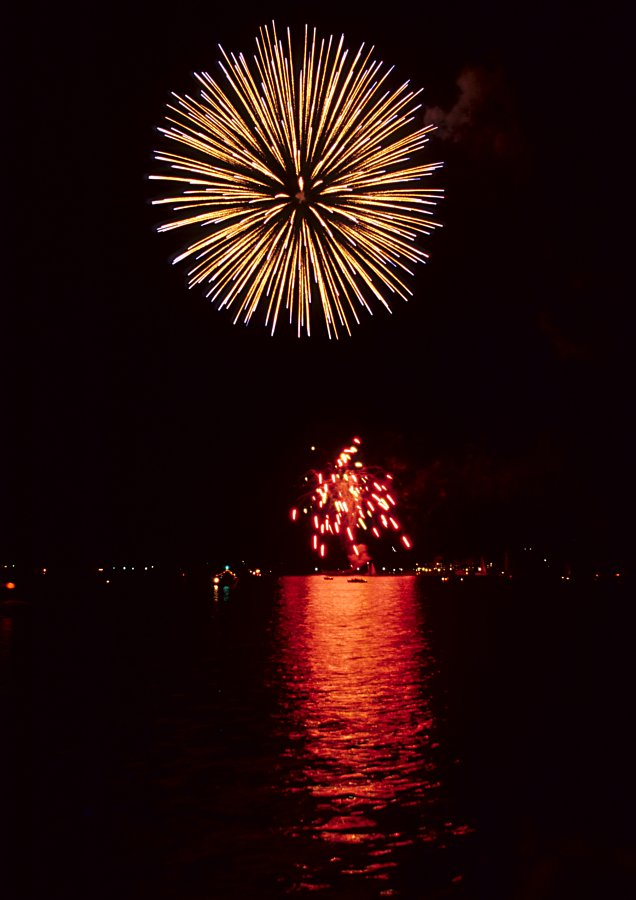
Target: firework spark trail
(350,502)
(305,182)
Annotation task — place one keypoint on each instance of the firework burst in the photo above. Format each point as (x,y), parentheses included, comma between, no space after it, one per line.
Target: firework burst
(304,182)
(350,503)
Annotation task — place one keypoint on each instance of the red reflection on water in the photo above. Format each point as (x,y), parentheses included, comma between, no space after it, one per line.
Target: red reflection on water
(354,662)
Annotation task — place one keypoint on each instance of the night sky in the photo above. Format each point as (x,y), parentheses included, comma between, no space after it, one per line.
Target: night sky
(148,427)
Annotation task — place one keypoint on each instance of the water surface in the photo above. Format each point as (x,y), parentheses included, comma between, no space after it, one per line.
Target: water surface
(352,669)
(399,737)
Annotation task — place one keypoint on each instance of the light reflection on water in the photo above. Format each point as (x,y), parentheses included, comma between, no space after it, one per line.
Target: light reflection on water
(352,666)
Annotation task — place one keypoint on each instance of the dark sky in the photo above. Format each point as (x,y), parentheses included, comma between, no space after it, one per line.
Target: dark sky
(148,426)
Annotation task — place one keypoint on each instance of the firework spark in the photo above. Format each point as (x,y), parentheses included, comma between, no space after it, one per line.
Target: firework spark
(305,182)
(350,503)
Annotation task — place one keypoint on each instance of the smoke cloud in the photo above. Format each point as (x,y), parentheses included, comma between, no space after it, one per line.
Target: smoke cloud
(361,559)
(483,116)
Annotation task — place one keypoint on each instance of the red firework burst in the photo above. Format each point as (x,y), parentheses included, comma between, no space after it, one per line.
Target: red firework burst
(351,503)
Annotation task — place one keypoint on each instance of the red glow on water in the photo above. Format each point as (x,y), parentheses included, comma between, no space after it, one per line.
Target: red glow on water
(353,659)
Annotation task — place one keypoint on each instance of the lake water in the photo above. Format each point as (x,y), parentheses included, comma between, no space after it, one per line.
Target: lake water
(394,738)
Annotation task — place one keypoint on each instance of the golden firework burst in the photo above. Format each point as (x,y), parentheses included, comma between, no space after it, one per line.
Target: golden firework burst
(305,182)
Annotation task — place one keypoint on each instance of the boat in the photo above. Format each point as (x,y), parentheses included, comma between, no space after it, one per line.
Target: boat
(225,579)
(357,580)
(328,578)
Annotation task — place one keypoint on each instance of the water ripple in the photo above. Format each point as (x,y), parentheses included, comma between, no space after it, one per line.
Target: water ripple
(351,666)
